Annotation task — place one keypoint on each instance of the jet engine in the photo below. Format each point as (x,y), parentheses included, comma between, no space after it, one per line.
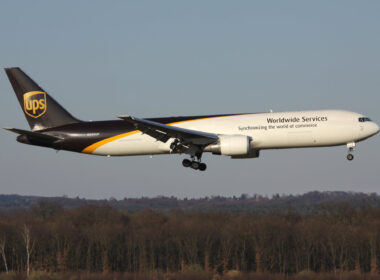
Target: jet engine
(231,145)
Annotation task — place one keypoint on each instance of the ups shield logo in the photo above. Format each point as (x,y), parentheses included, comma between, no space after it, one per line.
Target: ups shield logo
(35,103)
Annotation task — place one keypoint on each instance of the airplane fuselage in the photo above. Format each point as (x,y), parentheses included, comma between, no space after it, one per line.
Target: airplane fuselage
(234,135)
(267,131)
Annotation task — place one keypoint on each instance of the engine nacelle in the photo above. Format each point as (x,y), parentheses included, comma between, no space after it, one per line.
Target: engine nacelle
(231,145)
(251,154)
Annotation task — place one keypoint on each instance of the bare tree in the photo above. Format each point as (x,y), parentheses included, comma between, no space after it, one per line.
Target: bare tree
(29,246)
(2,251)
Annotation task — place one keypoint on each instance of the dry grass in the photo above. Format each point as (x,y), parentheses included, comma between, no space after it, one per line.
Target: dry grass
(187,275)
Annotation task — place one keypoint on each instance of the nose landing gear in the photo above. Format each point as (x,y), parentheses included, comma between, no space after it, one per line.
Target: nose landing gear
(351,148)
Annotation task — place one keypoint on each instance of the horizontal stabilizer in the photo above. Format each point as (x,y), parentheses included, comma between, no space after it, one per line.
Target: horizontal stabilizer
(35,135)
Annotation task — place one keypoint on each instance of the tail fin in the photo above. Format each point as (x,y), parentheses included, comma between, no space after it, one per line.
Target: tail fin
(40,109)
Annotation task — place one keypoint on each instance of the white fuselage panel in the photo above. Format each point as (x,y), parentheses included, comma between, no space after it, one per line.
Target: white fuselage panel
(267,130)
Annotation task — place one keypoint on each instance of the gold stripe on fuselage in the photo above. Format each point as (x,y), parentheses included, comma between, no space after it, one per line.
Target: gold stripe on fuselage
(90,149)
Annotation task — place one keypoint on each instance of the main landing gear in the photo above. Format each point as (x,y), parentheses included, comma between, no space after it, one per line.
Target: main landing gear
(351,148)
(195,164)
(194,151)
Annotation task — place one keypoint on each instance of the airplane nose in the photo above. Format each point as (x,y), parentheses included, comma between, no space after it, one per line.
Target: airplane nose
(377,128)
(370,129)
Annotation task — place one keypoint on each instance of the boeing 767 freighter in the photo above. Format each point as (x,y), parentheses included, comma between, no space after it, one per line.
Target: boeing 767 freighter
(236,135)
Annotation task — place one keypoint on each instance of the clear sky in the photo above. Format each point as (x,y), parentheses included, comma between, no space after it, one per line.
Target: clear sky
(100,59)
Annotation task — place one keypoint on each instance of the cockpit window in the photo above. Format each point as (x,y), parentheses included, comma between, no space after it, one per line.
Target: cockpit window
(364,119)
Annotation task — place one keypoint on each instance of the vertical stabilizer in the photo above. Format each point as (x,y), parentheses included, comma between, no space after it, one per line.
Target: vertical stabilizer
(40,109)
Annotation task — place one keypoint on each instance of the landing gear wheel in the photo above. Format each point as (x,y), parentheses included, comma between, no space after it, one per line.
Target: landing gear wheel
(202,166)
(195,165)
(350,157)
(186,162)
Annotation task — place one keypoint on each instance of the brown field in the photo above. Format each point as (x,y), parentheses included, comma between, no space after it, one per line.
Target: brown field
(187,275)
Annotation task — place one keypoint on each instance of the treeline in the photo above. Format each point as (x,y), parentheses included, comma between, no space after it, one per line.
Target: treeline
(339,238)
(307,203)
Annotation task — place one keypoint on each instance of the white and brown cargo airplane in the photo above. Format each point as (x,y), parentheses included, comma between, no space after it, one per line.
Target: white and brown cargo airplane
(236,135)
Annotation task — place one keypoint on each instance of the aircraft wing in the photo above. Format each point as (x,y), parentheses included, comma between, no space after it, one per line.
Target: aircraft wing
(163,132)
